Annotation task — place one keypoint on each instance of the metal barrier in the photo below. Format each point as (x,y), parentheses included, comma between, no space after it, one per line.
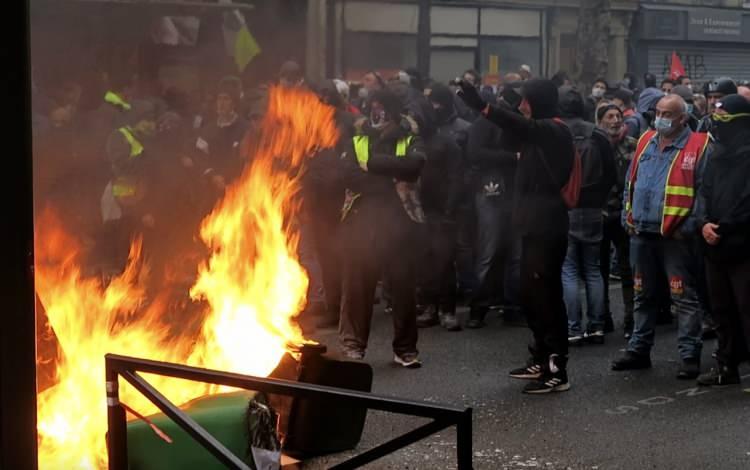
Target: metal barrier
(128,368)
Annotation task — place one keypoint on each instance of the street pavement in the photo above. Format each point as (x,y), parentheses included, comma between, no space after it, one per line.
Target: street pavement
(608,420)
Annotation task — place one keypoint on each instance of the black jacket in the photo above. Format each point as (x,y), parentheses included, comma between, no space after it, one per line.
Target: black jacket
(543,170)
(492,155)
(442,177)
(377,195)
(595,196)
(726,200)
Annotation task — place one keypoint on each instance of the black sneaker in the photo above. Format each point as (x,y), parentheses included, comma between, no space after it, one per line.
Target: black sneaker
(721,375)
(476,319)
(689,370)
(428,317)
(609,324)
(530,372)
(594,337)
(549,382)
(352,353)
(575,340)
(632,361)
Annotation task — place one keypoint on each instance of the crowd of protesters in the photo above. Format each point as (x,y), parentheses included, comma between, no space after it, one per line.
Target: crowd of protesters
(505,198)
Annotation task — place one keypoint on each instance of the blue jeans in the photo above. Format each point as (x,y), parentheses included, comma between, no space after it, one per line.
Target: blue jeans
(583,262)
(650,254)
(498,252)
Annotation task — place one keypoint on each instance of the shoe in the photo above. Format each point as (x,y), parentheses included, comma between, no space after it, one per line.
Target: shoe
(449,321)
(530,372)
(609,324)
(615,277)
(632,361)
(408,360)
(594,337)
(721,375)
(689,370)
(575,340)
(549,382)
(353,353)
(428,317)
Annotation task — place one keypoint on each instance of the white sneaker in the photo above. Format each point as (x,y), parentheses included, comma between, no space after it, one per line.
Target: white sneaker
(408,360)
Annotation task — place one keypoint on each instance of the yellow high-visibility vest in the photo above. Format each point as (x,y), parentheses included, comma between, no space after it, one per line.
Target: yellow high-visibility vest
(114,99)
(136,148)
(362,148)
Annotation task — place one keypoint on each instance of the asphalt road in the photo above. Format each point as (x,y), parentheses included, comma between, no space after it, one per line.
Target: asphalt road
(608,420)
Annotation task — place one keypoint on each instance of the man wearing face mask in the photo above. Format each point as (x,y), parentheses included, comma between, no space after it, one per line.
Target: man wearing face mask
(597,94)
(610,120)
(380,226)
(371,82)
(660,216)
(540,216)
(725,219)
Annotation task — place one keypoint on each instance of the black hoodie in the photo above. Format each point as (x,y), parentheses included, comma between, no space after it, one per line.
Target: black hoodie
(546,160)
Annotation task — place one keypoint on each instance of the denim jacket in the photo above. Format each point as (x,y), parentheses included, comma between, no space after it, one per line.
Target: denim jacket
(648,197)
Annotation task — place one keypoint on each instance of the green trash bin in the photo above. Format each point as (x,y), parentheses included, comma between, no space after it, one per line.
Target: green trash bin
(224,416)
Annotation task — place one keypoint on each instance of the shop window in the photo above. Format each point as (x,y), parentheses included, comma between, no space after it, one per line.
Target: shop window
(446,20)
(511,53)
(447,64)
(381,17)
(364,51)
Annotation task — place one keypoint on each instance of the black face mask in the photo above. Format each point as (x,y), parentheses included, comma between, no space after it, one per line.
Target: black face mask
(725,132)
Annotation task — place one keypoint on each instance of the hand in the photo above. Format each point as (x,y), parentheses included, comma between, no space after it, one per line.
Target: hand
(471,97)
(710,235)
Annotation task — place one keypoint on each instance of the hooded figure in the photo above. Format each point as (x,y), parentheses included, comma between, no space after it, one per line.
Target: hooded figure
(726,232)
(380,225)
(541,218)
(641,120)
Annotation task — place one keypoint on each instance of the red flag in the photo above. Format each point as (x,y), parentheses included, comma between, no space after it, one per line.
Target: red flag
(676,70)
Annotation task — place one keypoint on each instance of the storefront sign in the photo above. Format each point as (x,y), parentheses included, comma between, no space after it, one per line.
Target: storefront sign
(715,25)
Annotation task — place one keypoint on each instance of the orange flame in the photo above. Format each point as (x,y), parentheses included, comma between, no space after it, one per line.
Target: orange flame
(252,282)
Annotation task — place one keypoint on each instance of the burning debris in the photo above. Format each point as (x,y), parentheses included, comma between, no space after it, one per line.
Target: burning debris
(252,285)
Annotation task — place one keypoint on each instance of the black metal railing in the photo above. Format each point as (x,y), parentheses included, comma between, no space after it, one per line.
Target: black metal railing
(129,368)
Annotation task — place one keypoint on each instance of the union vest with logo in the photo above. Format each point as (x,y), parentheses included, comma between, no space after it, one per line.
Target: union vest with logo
(679,193)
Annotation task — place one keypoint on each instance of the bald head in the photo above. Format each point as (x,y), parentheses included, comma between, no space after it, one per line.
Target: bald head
(671,115)
(744,91)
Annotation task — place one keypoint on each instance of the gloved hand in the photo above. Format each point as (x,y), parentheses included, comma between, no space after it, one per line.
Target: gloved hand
(470,95)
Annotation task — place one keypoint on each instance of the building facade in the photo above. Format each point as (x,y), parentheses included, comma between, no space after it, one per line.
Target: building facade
(445,37)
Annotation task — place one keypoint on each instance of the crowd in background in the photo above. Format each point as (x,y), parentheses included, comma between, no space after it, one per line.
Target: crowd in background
(506,197)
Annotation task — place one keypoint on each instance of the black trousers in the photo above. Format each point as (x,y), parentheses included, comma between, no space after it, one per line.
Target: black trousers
(326,236)
(542,296)
(375,244)
(729,292)
(438,265)
(615,235)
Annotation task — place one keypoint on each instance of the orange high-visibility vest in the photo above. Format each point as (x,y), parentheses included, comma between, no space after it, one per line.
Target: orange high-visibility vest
(679,193)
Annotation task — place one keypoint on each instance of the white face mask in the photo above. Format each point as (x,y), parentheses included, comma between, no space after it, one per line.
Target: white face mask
(597,92)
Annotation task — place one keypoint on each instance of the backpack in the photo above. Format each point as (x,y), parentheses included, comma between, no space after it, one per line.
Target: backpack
(592,167)
(571,192)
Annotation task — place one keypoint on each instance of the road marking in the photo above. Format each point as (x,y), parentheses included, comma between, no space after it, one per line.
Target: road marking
(661,400)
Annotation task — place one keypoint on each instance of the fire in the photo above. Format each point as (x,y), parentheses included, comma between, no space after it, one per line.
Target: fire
(252,284)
